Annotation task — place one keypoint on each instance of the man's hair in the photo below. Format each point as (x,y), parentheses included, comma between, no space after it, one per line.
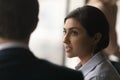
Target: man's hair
(18,18)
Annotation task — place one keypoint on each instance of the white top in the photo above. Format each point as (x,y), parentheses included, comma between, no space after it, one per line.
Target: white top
(98,68)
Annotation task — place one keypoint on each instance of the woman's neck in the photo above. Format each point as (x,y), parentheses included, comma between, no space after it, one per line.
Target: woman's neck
(85,59)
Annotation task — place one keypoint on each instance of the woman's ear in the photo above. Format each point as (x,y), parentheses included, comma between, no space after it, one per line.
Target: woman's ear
(97,37)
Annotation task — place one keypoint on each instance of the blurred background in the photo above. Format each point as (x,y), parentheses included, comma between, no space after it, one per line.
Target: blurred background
(46,41)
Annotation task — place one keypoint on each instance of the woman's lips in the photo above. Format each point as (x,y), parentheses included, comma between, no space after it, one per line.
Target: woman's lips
(68,49)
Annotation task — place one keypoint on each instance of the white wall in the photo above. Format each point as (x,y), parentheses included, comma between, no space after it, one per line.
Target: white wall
(46,40)
(118,23)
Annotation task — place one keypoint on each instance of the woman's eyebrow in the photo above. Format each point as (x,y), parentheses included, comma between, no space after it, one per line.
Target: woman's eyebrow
(71,28)
(74,28)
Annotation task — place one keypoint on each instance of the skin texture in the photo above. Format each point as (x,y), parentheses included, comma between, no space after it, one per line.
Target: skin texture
(77,42)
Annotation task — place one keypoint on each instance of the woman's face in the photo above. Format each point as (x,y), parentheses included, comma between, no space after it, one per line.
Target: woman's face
(77,42)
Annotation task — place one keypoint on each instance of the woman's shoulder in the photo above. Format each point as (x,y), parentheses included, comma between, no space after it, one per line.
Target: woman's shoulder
(103,70)
(107,71)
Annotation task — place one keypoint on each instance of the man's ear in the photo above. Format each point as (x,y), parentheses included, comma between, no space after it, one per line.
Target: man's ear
(97,37)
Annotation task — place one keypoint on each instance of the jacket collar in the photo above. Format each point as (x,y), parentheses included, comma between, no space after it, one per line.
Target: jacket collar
(92,63)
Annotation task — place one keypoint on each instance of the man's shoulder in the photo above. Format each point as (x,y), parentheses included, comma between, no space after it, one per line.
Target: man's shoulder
(59,72)
(23,64)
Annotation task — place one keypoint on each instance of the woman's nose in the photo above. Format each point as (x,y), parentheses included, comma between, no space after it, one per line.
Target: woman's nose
(66,39)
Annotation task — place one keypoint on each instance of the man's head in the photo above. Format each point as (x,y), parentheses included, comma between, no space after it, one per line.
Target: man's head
(18,18)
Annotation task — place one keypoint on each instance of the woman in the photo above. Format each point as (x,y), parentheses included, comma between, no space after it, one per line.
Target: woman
(86,35)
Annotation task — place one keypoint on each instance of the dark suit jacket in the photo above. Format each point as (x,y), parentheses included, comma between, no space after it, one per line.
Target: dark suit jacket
(20,64)
(116,65)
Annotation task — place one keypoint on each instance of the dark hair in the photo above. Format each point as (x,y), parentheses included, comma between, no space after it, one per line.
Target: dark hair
(94,21)
(86,1)
(18,18)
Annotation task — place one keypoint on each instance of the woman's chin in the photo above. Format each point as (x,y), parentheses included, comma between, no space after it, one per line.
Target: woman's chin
(69,55)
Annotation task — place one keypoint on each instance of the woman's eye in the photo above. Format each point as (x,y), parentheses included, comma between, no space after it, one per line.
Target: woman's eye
(64,32)
(74,33)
